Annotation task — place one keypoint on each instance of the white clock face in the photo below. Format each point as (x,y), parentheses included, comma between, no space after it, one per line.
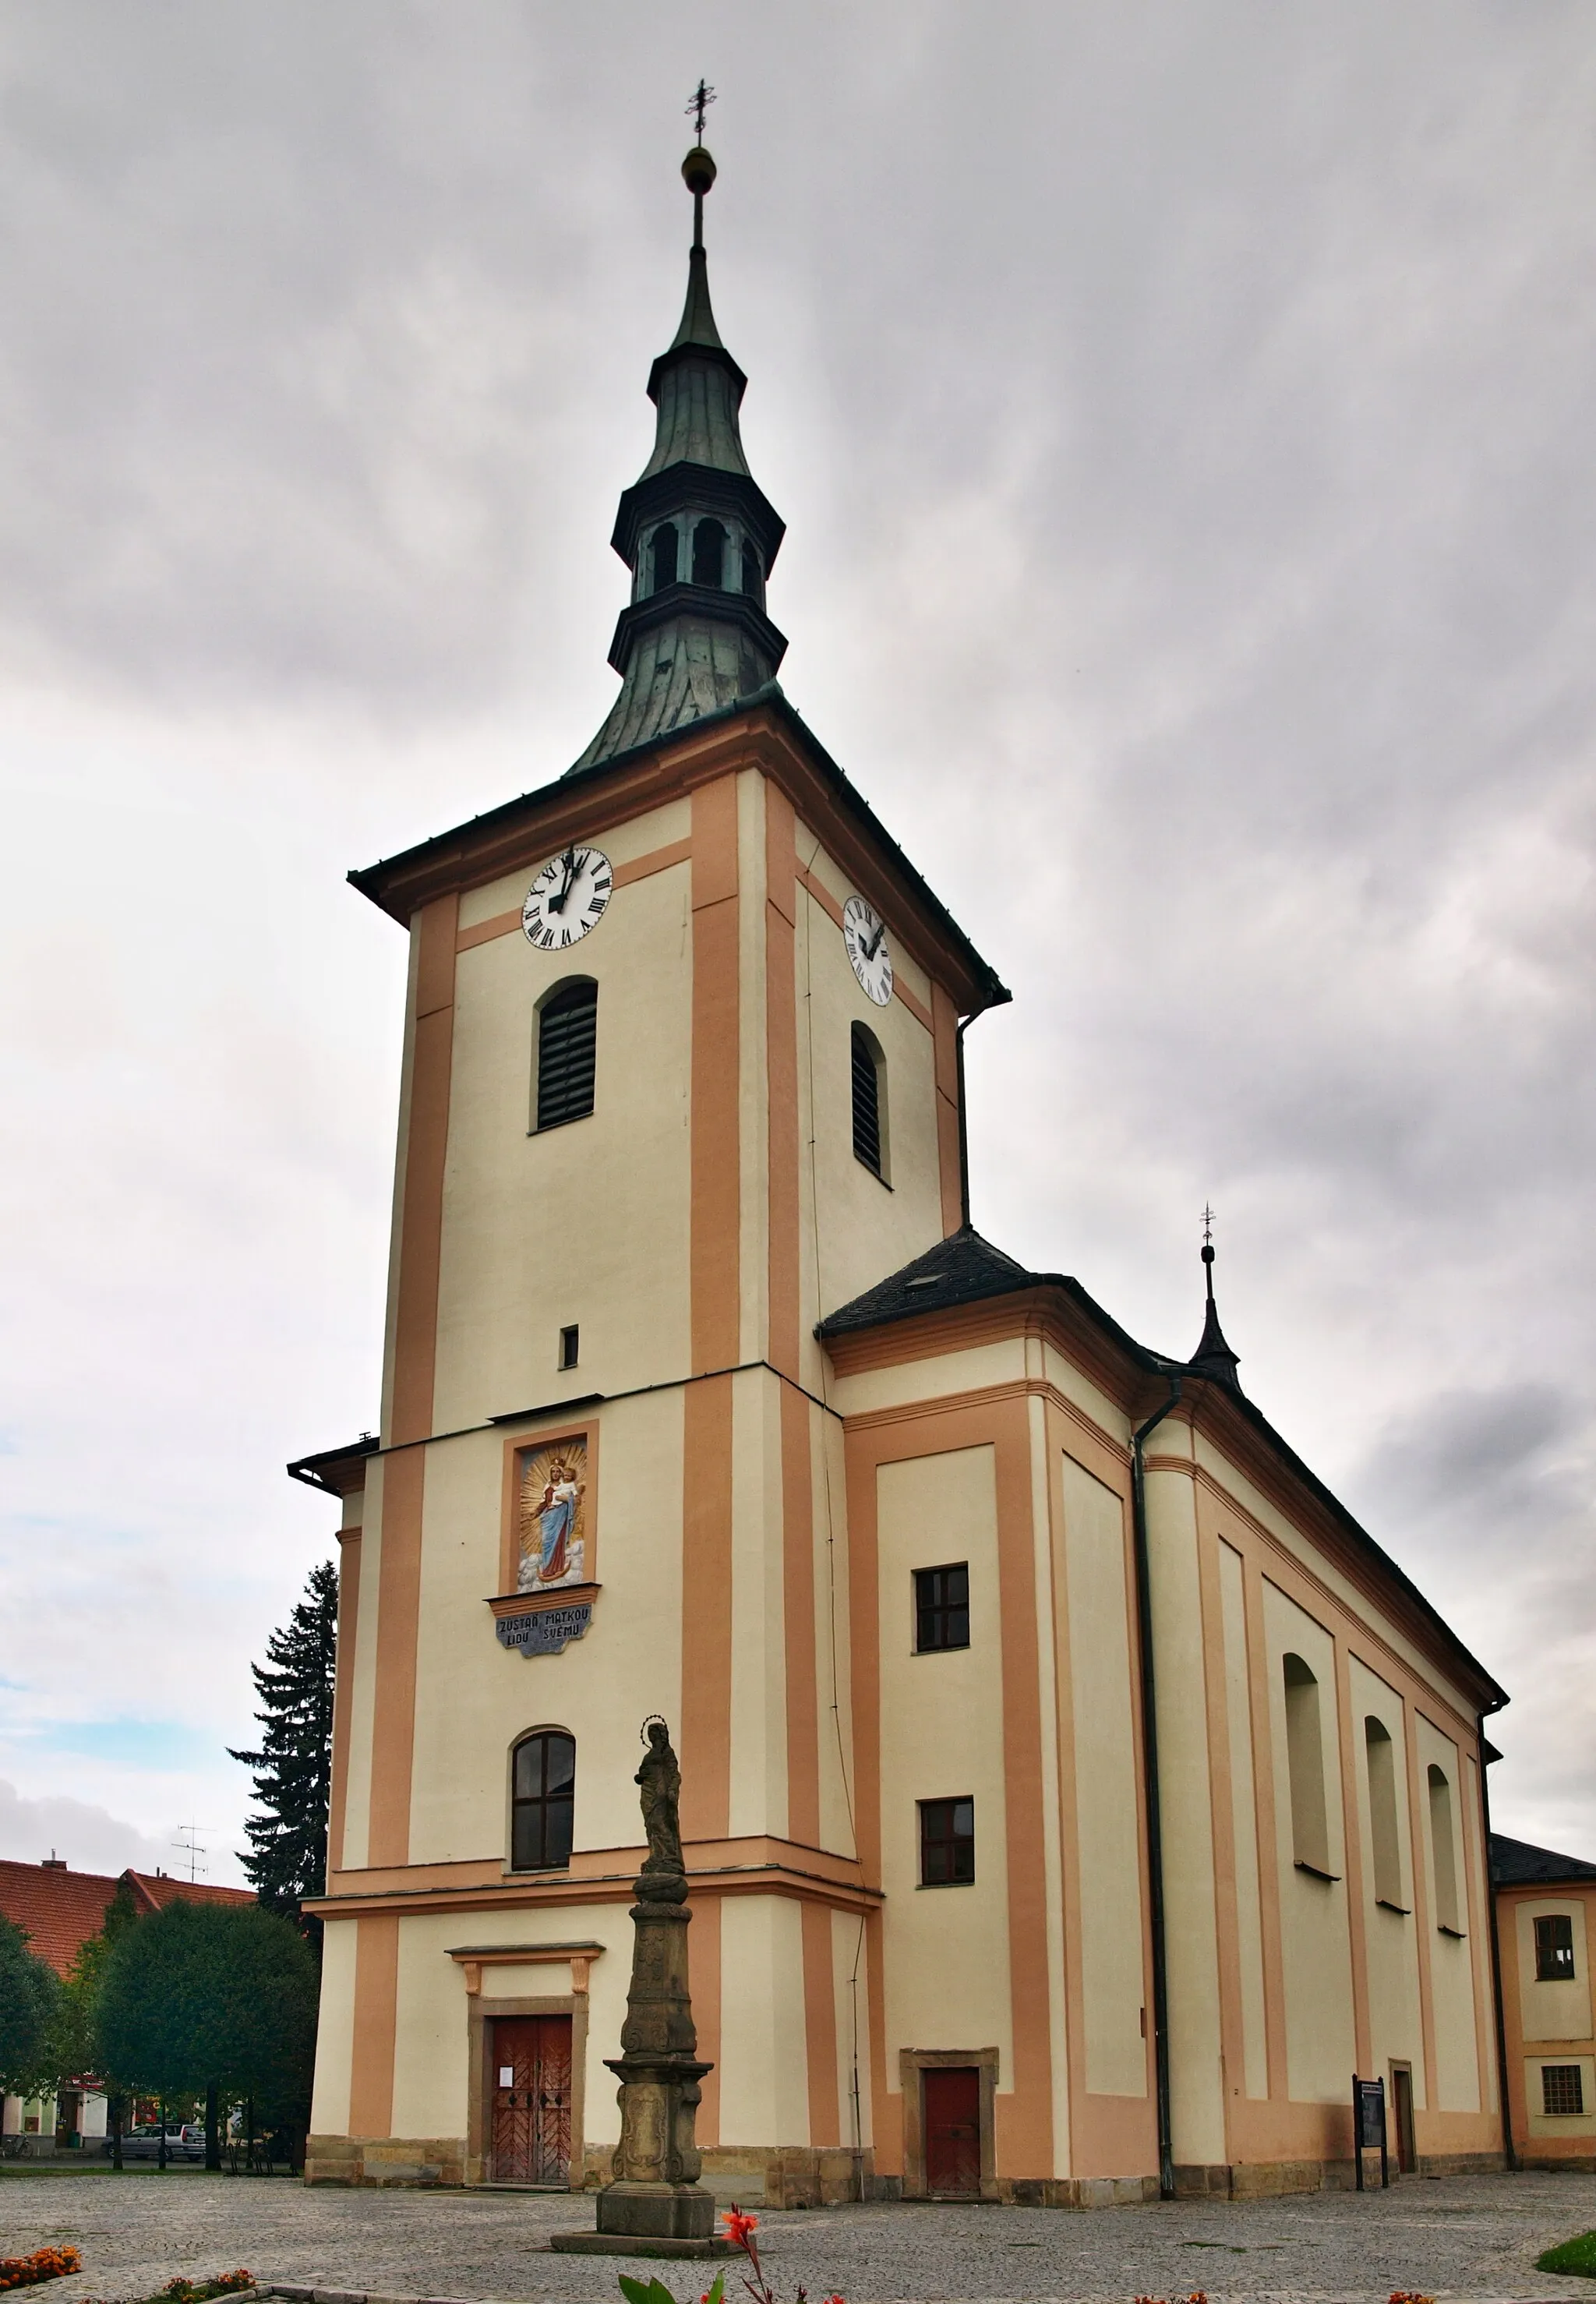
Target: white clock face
(567,898)
(865,934)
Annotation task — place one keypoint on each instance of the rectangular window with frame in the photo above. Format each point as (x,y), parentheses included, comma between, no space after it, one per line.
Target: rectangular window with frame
(1554,1948)
(1562,2089)
(942,1608)
(947,1843)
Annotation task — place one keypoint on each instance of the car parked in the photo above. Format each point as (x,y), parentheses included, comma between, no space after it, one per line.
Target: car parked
(184,2141)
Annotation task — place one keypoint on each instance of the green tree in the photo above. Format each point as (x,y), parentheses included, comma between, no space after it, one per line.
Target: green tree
(29,1994)
(212,2000)
(293,1768)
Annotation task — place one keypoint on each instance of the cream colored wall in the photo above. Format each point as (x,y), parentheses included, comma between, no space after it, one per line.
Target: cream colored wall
(1451,1958)
(763,2058)
(362,1684)
(1192,1947)
(947,1948)
(1108,1839)
(1244,1815)
(1321,2043)
(935,1378)
(1569,2124)
(335,2030)
(1048,1537)
(834,1639)
(866,1229)
(1396,2024)
(586,1223)
(1557,2009)
(474,1699)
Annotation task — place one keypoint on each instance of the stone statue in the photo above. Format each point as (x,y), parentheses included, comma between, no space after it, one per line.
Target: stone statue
(660,1778)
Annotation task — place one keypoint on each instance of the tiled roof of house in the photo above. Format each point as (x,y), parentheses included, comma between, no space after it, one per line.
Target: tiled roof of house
(1519,1864)
(61,1908)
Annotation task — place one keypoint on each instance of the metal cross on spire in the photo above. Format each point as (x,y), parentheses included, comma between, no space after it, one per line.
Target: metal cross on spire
(698,105)
(1207,1226)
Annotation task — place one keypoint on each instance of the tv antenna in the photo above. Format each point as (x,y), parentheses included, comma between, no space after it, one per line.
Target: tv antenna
(191,1849)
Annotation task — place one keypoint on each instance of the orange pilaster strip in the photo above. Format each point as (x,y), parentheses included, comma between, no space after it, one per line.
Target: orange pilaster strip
(376,2023)
(398,1615)
(707,1609)
(798,1594)
(704,1982)
(820,2026)
(714,1274)
(421,1222)
(944,1030)
(782,1073)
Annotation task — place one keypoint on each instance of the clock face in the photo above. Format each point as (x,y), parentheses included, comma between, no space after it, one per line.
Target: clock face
(865,934)
(567,898)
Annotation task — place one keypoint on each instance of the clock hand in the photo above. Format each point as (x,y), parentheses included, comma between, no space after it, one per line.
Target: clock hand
(874,946)
(557,904)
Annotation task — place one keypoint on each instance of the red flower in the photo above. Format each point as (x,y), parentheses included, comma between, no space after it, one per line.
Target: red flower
(737,2226)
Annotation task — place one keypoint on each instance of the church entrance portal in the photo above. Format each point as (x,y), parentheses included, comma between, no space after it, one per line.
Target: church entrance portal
(953,2131)
(531,2100)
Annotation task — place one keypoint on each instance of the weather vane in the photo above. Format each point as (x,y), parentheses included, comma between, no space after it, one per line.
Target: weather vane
(699,104)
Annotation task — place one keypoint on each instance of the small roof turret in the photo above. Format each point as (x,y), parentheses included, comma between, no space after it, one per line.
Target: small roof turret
(1213,1357)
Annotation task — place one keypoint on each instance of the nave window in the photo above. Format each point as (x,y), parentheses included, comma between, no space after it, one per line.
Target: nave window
(542,1800)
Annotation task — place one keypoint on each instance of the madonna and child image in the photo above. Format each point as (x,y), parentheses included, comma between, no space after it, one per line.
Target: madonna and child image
(554,1535)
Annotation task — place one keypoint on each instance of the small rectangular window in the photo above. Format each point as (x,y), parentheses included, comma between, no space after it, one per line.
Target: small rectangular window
(1554,1948)
(942,1608)
(1562,2088)
(947,1843)
(570,1343)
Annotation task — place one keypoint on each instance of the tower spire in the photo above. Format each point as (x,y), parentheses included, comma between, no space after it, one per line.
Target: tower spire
(696,530)
(1213,1357)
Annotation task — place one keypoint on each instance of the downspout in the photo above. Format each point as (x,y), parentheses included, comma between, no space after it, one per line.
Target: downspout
(964,1140)
(1155,1842)
(1504,2089)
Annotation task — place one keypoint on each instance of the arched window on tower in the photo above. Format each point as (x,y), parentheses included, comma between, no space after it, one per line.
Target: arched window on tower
(662,557)
(543,1782)
(709,555)
(1443,1852)
(1384,1833)
(753,574)
(869,1100)
(567,1053)
(1305,1760)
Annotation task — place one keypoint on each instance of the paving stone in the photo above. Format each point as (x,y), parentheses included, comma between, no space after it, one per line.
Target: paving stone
(1456,2238)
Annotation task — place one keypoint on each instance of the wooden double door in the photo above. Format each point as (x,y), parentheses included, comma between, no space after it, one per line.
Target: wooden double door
(530,2123)
(952,2099)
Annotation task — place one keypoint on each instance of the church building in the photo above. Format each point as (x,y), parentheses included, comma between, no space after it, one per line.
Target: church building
(1074,1797)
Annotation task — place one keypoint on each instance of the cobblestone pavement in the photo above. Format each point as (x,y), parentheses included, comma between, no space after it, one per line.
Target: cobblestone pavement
(1456,2237)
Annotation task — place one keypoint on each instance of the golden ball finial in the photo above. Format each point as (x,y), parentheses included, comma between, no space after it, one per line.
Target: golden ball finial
(698,171)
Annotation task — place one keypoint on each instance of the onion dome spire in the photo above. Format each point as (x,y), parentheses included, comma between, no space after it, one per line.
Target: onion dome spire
(696,530)
(1213,1357)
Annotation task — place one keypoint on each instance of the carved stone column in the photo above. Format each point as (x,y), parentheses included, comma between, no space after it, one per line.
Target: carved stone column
(654,2203)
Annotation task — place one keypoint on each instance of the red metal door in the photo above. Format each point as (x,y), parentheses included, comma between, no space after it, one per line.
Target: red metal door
(531,2099)
(953,2130)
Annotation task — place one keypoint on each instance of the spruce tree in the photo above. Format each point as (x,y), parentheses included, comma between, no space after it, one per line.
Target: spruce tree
(288,1859)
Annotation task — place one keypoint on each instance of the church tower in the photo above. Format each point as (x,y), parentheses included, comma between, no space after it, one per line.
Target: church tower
(1026,1686)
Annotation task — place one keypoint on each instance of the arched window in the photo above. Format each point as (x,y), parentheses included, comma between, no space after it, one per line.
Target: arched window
(1305,1753)
(1384,1831)
(753,574)
(709,554)
(869,1101)
(1443,1851)
(566,1052)
(543,1782)
(662,557)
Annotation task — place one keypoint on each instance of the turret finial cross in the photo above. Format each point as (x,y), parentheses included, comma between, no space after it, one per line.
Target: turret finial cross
(698,105)
(1207,1226)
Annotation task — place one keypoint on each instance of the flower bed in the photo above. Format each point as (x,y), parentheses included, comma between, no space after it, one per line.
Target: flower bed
(43,2263)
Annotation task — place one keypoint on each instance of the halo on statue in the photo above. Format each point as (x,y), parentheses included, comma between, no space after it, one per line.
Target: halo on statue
(648,1723)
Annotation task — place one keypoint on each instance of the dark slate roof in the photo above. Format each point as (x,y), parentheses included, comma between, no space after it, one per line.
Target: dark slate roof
(336,1470)
(1516,1864)
(966,1269)
(963,1269)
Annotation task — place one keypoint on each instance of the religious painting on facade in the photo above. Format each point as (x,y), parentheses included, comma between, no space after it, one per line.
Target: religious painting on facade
(552,1517)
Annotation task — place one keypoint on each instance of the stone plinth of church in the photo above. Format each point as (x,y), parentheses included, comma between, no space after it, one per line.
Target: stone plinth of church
(654,2203)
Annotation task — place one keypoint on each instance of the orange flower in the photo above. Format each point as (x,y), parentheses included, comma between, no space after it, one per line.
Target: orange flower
(737,2226)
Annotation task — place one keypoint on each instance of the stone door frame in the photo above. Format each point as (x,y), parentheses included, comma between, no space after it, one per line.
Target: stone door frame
(911,2064)
(482,2012)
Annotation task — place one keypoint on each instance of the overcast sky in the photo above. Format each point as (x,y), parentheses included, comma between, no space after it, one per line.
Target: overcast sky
(1183,418)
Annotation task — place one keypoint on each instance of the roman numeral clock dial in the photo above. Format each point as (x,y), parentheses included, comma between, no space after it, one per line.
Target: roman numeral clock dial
(865,932)
(567,898)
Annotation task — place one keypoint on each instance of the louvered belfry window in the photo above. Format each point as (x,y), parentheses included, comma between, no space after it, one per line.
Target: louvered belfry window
(867,1100)
(567,1046)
